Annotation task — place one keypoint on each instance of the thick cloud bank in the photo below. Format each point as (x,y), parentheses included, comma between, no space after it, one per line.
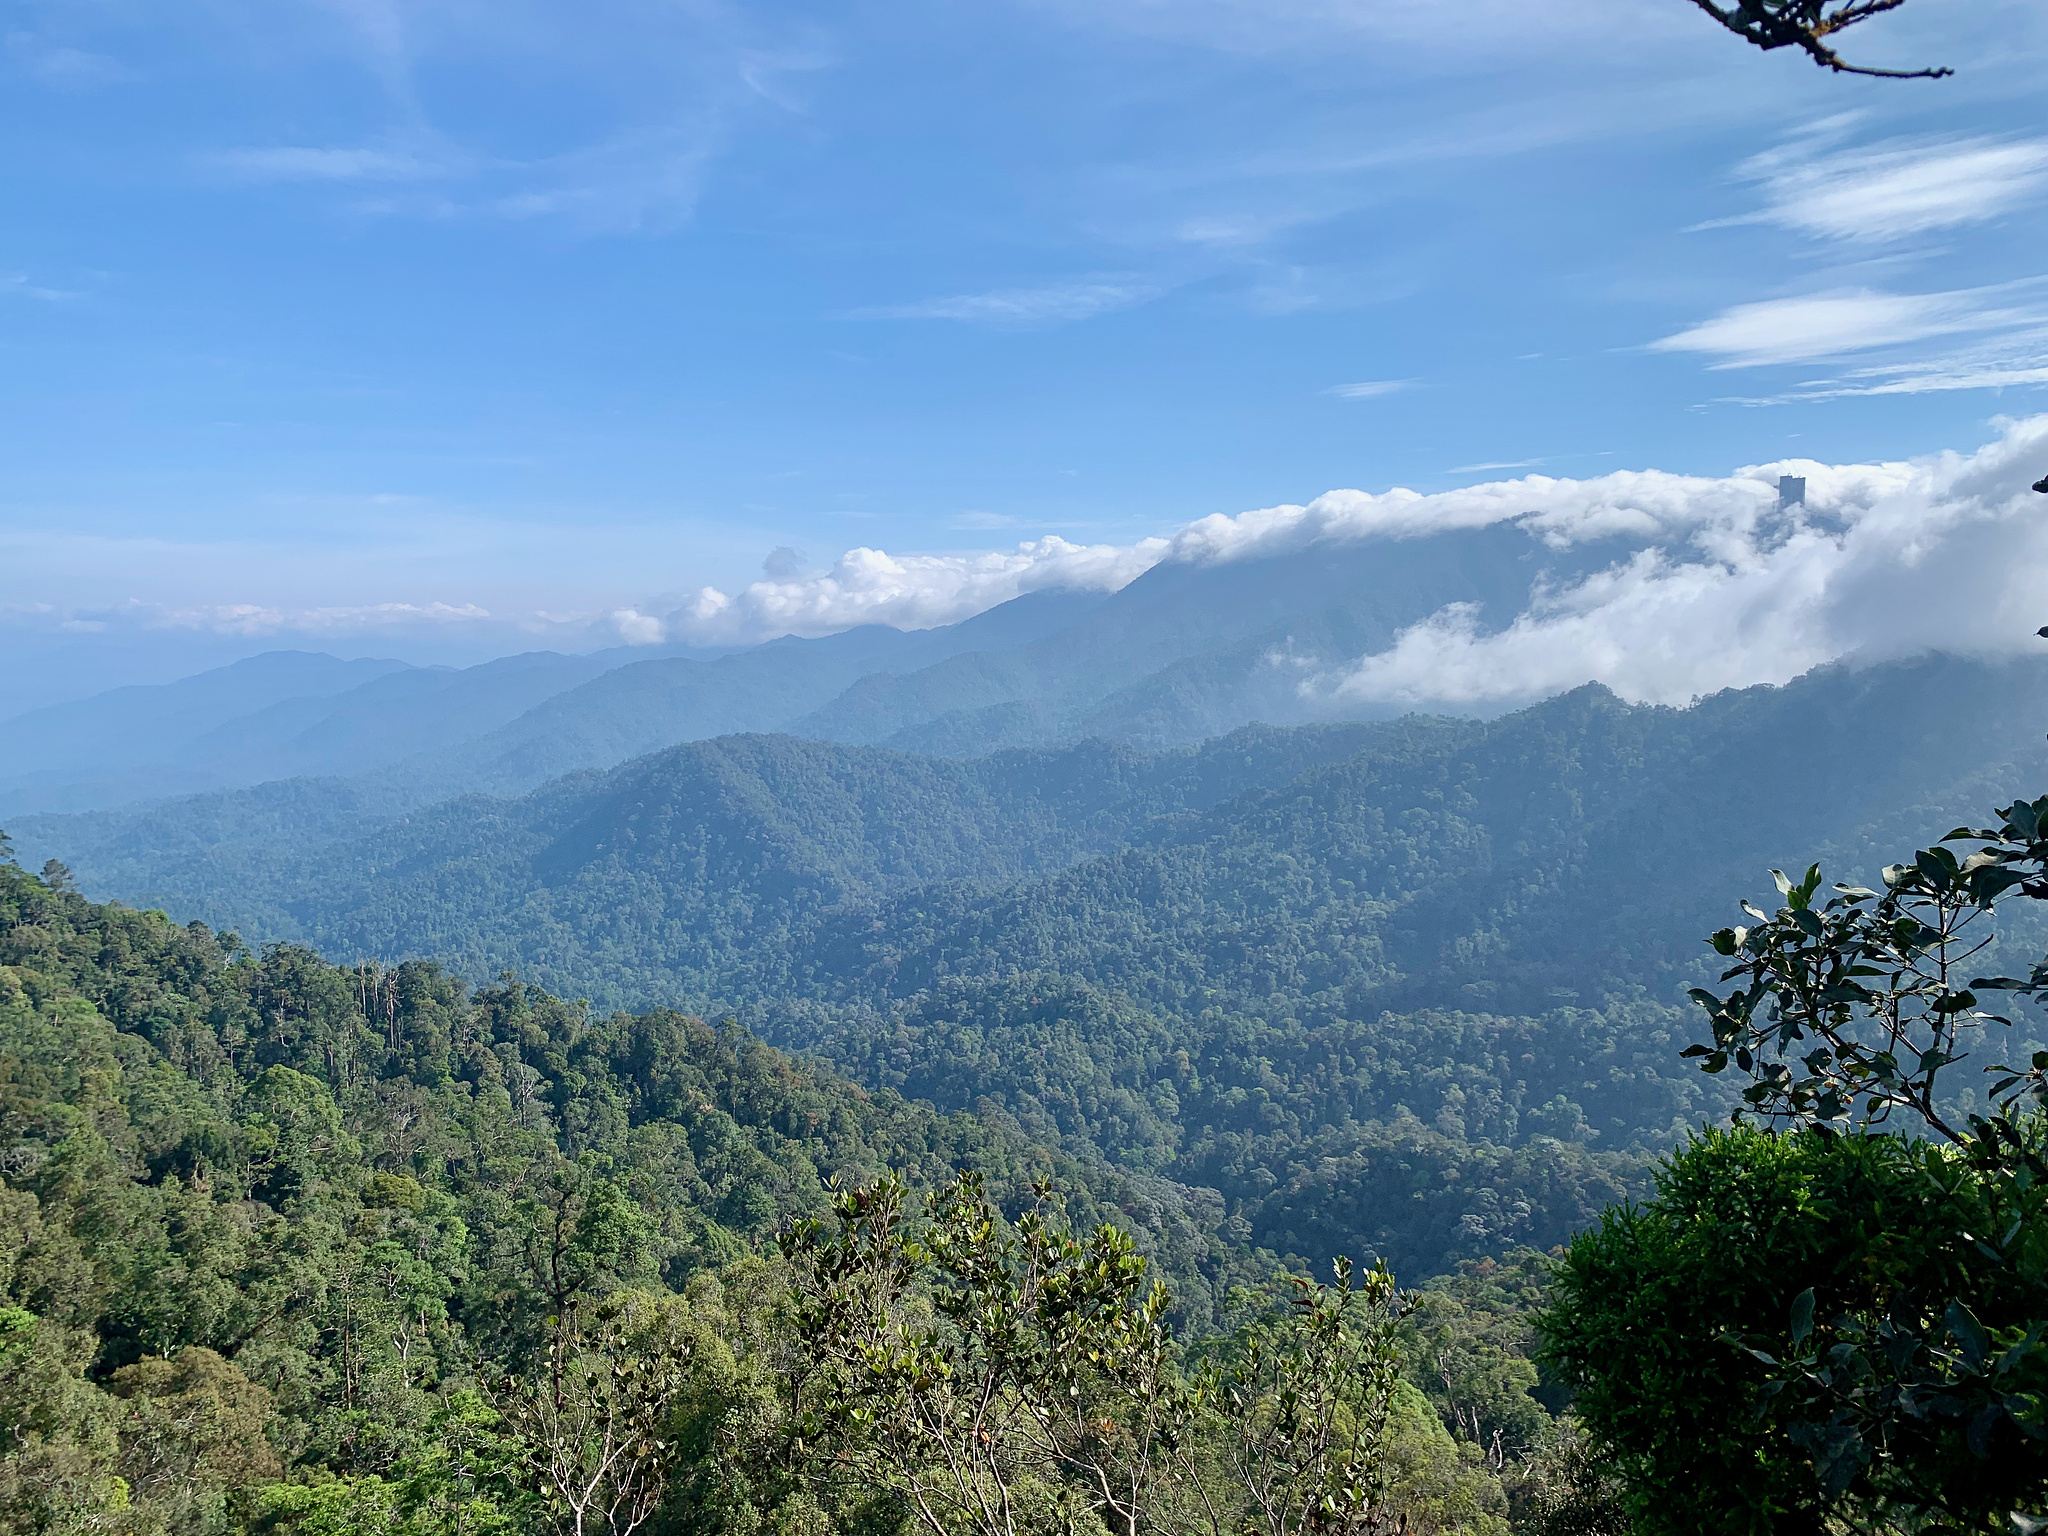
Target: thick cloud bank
(1698,583)
(1722,588)
(869,586)
(1679,585)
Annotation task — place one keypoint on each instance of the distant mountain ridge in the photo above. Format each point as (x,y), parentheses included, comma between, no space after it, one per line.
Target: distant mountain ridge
(1187,651)
(785,832)
(1190,650)
(1568,855)
(146,742)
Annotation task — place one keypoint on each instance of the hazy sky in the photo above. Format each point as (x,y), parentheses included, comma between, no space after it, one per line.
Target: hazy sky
(439,328)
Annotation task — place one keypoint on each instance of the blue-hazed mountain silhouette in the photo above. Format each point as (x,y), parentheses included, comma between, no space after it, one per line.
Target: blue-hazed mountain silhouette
(1187,651)
(149,742)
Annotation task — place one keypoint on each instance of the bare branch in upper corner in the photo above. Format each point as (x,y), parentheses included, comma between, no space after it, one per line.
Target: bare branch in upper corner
(1806,25)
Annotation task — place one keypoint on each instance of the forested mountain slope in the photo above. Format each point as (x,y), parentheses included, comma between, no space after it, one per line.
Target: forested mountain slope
(641,706)
(197,1139)
(1568,852)
(409,734)
(1315,970)
(746,834)
(1189,650)
(284,1246)
(176,1109)
(1561,854)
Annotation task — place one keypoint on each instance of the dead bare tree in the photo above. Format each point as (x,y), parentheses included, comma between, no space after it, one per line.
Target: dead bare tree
(594,1439)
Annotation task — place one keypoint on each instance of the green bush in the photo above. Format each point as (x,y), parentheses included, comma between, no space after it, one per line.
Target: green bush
(1691,1328)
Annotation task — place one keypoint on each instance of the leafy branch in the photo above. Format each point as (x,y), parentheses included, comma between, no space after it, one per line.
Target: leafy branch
(1853,1006)
(594,1438)
(1305,1404)
(1849,1011)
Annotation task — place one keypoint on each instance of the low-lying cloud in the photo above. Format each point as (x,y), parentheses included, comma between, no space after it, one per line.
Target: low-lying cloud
(871,586)
(1681,584)
(1711,583)
(1948,553)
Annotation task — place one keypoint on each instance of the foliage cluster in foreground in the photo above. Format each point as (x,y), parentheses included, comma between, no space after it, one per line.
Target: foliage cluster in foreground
(1835,1315)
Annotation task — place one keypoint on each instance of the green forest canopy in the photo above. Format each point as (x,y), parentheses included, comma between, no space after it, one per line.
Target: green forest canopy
(312,1209)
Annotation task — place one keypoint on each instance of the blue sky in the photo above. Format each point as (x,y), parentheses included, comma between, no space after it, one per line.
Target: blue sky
(440,329)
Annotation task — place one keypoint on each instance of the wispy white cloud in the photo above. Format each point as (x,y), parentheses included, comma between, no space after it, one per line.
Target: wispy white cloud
(620,184)
(1895,189)
(67,68)
(1487,34)
(1818,326)
(1052,304)
(2008,362)
(1266,183)
(263,618)
(624,107)
(1820,184)
(643,178)
(1473,469)
(18,284)
(1370,389)
(310,163)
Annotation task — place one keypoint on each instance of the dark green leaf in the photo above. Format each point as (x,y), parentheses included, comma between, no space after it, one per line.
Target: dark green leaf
(1802,1315)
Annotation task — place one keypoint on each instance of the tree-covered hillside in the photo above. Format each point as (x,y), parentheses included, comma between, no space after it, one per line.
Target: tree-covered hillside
(287,1247)
(1411,985)
(297,1202)
(1566,854)
(715,844)
(182,1076)
(1558,856)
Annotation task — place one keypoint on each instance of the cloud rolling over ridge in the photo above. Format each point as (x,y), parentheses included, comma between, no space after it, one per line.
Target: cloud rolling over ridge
(1709,583)
(1672,585)
(871,586)
(1949,553)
